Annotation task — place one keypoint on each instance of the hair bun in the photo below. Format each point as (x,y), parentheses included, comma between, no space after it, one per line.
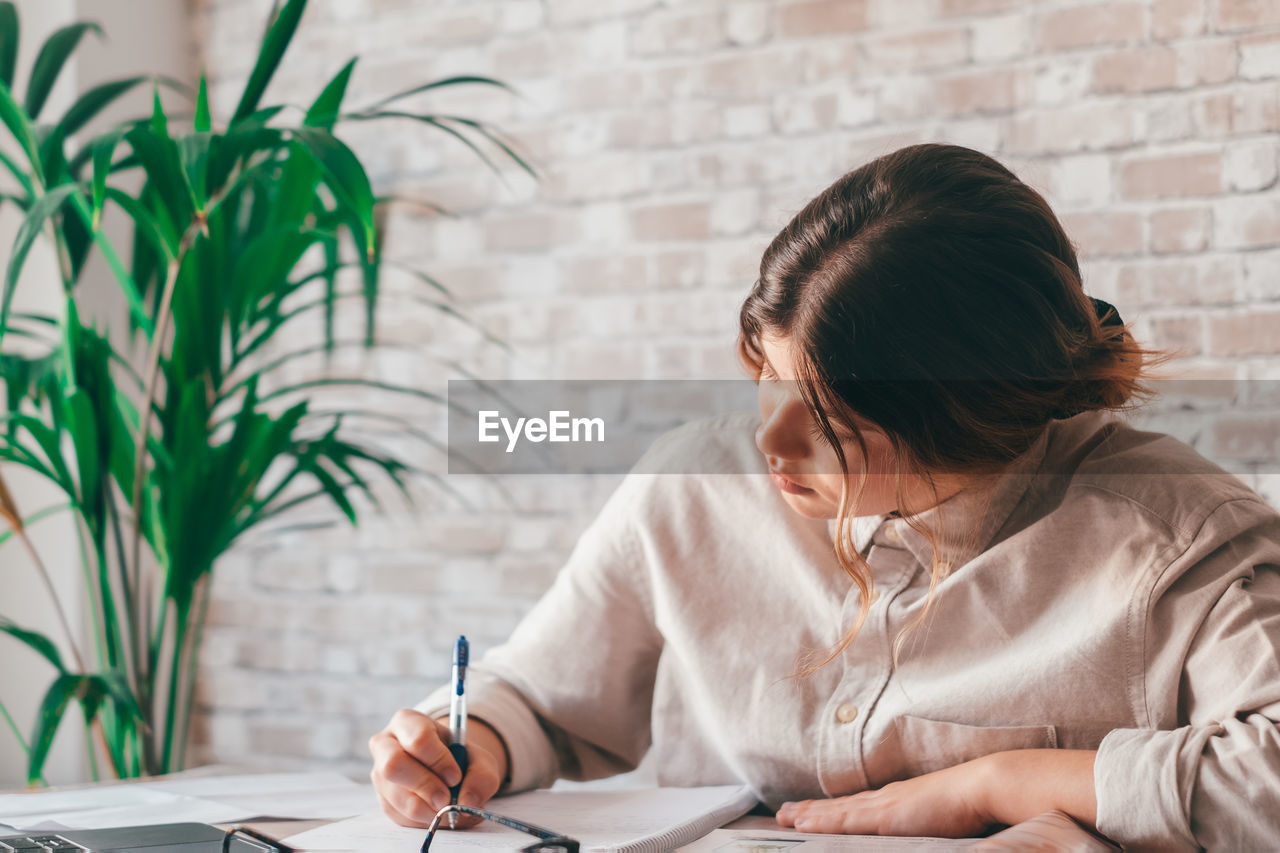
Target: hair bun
(1108,316)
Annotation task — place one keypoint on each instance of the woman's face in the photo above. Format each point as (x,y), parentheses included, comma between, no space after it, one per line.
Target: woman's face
(804,467)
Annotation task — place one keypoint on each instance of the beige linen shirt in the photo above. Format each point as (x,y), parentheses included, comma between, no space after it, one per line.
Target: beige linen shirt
(1123,595)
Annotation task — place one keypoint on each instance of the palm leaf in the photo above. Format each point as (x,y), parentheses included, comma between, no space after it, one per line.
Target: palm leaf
(38,515)
(41,644)
(9,31)
(83,426)
(274,44)
(53,55)
(14,118)
(345,176)
(95,101)
(163,164)
(19,174)
(9,507)
(37,217)
(203,122)
(439,84)
(157,233)
(104,149)
(52,709)
(324,112)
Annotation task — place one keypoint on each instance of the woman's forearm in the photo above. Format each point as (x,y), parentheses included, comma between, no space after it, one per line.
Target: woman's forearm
(1020,784)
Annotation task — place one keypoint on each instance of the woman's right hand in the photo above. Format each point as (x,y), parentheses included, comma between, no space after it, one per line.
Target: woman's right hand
(413,769)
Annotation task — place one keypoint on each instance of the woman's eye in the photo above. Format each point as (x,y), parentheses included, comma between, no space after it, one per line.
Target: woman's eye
(816,432)
(843,436)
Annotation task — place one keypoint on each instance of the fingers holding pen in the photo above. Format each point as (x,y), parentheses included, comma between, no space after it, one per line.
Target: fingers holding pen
(426,740)
(481,783)
(405,788)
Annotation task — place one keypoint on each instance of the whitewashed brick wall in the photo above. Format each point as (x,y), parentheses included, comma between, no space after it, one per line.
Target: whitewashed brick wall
(674,139)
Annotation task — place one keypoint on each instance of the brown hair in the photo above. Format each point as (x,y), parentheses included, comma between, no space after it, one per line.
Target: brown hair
(935,295)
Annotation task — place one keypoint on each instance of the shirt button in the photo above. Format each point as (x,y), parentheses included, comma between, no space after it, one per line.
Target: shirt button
(847,713)
(891,533)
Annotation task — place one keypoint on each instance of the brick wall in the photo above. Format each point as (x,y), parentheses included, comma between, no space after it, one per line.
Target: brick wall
(674,140)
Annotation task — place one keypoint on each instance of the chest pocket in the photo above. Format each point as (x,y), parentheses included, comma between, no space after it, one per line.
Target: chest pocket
(914,746)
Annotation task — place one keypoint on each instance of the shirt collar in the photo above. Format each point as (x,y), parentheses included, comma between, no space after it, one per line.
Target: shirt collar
(965,522)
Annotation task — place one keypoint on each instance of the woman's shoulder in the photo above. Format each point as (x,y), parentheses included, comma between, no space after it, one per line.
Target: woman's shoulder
(704,476)
(1148,472)
(719,444)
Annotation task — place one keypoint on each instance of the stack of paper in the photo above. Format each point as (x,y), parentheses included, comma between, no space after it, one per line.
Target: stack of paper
(214,799)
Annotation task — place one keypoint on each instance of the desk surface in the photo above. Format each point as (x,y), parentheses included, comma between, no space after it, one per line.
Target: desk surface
(1050,831)
(1053,830)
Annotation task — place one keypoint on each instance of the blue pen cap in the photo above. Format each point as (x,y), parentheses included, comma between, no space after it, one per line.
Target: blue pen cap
(460,651)
(459,664)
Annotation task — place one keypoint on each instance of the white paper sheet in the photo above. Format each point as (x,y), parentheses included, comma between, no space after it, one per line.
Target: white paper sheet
(282,795)
(101,808)
(213,799)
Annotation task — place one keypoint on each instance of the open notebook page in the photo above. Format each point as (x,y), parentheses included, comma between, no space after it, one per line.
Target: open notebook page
(600,820)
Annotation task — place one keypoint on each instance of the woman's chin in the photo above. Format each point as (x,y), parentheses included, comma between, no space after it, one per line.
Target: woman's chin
(810,505)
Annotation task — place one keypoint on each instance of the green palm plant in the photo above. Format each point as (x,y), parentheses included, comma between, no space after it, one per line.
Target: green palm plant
(237,232)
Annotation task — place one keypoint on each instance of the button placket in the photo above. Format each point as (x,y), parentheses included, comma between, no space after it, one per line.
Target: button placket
(887,562)
(866,669)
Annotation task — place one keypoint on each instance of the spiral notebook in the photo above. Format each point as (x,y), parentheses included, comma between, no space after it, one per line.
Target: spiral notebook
(647,820)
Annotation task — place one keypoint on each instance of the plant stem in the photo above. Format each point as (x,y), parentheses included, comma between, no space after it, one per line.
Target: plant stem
(22,742)
(188,690)
(132,667)
(53,594)
(137,307)
(140,443)
(13,727)
(181,618)
(92,750)
(157,641)
(95,617)
(113,513)
(101,732)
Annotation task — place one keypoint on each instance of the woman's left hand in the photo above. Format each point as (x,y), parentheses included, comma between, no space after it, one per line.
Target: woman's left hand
(948,803)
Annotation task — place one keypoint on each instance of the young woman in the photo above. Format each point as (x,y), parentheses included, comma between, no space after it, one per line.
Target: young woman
(964,595)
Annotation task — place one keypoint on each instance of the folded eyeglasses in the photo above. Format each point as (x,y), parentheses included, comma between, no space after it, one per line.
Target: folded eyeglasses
(548,841)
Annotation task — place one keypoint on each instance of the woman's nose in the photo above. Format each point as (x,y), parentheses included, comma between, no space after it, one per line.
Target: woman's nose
(779,435)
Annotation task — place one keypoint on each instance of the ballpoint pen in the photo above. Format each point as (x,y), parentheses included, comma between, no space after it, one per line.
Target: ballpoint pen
(458,721)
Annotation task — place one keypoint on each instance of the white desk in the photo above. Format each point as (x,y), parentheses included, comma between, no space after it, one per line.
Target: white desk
(1053,830)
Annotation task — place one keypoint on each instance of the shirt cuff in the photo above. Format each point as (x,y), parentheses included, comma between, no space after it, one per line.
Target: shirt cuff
(1143,779)
(531,761)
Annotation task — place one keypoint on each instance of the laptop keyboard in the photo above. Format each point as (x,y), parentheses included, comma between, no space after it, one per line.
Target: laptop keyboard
(37,844)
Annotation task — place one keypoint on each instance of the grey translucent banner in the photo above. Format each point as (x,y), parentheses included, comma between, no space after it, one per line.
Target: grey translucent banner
(607,426)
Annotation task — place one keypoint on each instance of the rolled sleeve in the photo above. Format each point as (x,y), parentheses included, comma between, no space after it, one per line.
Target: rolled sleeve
(1206,773)
(571,690)
(1144,796)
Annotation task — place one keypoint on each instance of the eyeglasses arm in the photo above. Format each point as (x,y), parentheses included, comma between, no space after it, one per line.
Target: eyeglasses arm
(541,833)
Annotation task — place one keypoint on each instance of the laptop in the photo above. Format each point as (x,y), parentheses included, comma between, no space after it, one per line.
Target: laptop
(160,838)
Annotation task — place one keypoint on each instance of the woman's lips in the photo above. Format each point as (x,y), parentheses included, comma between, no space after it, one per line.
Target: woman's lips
(791,487)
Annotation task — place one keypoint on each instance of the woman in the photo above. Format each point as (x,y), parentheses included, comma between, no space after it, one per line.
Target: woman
(963,597)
